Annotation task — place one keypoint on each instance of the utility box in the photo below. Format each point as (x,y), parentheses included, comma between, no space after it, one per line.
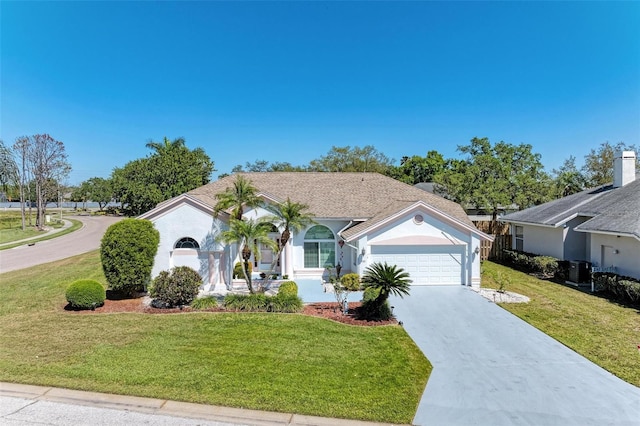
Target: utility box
(578,271)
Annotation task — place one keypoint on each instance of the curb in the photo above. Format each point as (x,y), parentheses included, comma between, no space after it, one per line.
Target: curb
(172,408)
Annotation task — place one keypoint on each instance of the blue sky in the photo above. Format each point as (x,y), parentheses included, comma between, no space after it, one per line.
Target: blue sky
(286,81)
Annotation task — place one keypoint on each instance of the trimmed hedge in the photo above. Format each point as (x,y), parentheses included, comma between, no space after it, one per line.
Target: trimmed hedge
(85,294)
(288,288)
(530,262)
(176,288)
(621,287)
(351,282)
(127,251)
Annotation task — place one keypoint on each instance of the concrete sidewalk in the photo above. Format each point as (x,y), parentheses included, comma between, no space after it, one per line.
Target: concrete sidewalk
(38,405)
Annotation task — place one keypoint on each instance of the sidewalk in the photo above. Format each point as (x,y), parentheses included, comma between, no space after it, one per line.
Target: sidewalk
(77,400)
(67,224)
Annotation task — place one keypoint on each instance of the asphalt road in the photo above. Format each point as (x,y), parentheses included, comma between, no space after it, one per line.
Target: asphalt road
(81,241)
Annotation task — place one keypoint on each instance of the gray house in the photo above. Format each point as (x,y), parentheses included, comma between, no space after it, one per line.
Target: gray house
(600,225)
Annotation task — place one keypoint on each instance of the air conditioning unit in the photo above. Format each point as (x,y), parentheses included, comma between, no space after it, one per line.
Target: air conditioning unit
(578,271)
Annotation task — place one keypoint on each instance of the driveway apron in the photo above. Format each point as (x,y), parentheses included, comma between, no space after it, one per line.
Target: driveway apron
(491,368)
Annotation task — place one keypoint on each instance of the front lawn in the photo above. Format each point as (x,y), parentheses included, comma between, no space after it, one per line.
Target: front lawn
(604,332)
(277,362)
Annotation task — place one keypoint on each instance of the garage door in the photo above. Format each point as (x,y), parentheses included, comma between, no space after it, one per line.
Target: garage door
(427,265)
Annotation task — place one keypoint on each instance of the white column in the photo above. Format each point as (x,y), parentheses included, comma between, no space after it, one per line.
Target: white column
(288,263)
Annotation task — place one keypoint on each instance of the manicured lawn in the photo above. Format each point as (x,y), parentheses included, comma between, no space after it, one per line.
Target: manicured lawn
(604,332)
(11,228)
(278,362)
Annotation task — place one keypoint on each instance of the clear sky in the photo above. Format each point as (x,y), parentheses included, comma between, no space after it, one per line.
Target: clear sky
(286,81)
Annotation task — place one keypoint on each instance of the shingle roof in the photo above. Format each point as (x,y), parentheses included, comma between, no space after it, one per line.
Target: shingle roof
(612,209)
(364,196)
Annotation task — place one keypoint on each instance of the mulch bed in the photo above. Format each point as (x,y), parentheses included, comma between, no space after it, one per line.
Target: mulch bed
(328,310)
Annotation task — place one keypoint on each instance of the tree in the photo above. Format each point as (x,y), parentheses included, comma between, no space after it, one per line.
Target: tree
(568,179)
(418,169)
(46,160)
(127,252)
(9,172)
(99,190)
(248,235)
(172,169)
(265,166)
(386,280)
(288,216)
(347,159)
(242,194)
(495,176)
(598,164)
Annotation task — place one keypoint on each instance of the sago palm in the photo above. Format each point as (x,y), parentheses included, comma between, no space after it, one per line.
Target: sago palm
(387,279)
(248,235)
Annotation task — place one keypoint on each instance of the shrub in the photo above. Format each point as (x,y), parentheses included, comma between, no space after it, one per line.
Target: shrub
(176,288)
(545,264)
(624,288)
(246,302)
(370,294)
(237,270)
(351,282)
(285,303)
(530,262)
(85,294)
(288,288)
(207,302)
(127,252)
(374,310)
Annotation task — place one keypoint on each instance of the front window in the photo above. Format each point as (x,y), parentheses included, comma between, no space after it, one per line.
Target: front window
(519,238)
(319,248)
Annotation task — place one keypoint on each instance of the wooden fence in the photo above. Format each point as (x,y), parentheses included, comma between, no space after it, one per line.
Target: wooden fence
(501,233)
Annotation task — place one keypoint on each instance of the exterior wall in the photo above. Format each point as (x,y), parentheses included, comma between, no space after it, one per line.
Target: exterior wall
(431,227)
(543,240)
(186,221)
(297,250)
(575,243)
(626,261)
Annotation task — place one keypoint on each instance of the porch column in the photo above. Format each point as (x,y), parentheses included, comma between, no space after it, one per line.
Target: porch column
(215,269)
(288,263)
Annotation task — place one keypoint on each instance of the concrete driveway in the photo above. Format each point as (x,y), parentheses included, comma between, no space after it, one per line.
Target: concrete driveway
(491,368)
(81,241)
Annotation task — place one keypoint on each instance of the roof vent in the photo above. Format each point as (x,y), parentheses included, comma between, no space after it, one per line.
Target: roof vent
(624,168)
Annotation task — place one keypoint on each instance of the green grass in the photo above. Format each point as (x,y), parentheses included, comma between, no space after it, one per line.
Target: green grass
(11,229)
(276,362)
(604,332)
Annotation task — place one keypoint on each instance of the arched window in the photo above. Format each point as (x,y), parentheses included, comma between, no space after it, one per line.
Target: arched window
(319,247)
(187,243)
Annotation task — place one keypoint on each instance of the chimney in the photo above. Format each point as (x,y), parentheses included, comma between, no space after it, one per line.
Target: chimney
(624,168)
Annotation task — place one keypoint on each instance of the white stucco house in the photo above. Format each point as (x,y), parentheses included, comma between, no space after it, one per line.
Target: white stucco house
(600,225)
(361,218)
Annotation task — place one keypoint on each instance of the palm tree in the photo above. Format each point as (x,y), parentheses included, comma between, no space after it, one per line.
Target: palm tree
(248,235)
(166,145)
(242,194)
(288,216)
(386,279)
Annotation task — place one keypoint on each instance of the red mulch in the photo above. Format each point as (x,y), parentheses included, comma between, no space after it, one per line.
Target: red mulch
(327,310)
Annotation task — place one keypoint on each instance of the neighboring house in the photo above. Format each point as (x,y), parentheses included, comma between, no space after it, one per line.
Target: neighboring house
(361,218)
(599,225)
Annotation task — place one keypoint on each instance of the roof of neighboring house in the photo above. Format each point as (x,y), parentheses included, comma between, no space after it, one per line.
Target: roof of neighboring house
(369,197)
(614,210)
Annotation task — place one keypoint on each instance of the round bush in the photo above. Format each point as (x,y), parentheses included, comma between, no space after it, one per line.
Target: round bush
(351,282)
(288,288)
(370,294)
(176,288)
(237,270)
(127,251)
(85,294)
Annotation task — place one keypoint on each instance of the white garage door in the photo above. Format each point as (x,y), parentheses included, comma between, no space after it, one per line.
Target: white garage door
(427,265)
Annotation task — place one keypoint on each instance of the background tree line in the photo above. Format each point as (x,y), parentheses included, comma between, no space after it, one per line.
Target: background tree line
(486,175)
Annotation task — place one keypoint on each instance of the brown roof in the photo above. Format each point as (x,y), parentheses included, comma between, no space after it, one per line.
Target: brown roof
(337,195)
